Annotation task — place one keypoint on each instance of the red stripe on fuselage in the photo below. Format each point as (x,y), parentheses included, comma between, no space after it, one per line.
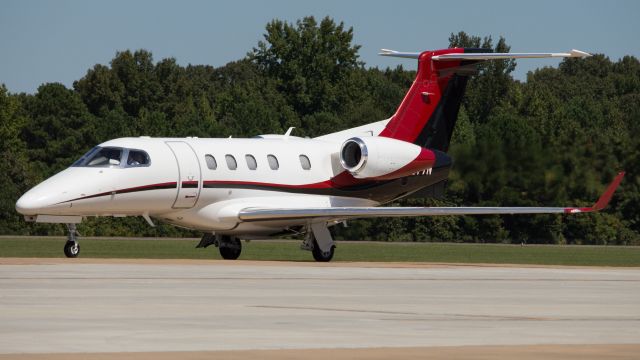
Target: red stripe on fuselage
(158,186)
(340,181)
(320,185)
(189,184)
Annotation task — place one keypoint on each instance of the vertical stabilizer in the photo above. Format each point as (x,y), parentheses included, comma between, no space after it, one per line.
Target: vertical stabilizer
(428,112)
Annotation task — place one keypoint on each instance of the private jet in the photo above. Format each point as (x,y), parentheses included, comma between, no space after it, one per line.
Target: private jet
(280,184)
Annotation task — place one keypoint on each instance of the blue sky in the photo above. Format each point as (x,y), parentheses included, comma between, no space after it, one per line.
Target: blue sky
(58,41)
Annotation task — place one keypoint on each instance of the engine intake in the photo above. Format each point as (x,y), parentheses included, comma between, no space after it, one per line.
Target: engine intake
(383,158)
(353,155)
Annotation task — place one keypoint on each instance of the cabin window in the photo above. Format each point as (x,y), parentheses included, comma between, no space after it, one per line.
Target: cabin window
(251,162)
(304,161)
(211,162)
(137,158)
(273,162)
(105,157)
(231,162)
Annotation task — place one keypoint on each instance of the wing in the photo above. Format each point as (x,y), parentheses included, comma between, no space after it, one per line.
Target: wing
(484,56)
(266,214)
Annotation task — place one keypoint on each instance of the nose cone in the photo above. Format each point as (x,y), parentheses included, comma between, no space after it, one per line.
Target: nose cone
(29,204)
(48,197)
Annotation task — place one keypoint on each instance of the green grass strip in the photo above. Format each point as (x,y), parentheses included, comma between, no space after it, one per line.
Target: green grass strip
(346,251)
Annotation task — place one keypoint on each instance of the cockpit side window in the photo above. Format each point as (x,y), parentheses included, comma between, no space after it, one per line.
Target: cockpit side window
(105,157)
(137,158)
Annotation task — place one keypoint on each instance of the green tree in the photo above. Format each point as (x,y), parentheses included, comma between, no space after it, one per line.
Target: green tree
(312,62)
(486,90)
(16,174)
(59,128)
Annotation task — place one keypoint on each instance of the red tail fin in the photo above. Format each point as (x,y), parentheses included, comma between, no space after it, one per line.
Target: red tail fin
(428,112)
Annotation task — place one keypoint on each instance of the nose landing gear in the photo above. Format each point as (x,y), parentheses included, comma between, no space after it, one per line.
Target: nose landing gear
(71,247)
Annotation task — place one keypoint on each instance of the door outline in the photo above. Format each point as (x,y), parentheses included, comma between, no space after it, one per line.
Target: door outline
(180,180)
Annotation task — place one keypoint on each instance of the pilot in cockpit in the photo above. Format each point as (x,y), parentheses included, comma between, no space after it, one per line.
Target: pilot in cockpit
(136,158)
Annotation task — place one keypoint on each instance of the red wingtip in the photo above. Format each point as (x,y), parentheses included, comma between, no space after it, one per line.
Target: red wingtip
(604,199)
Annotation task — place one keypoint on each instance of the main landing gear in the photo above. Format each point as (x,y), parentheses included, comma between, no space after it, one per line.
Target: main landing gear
(71,247)
(230,247)
(318,240)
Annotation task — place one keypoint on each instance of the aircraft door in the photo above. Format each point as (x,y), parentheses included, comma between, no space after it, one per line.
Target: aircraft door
(189,183)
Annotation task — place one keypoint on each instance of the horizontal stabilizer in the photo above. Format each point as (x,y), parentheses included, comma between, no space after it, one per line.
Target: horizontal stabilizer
(501,56)
(486,56)
(393,53)
(335,213)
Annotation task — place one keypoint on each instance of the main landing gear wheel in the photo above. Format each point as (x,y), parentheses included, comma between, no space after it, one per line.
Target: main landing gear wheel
(318,233)
(322,256)
(230,248)
(71,249)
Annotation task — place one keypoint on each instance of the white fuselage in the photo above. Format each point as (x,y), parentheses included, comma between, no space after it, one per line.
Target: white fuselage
(180,187)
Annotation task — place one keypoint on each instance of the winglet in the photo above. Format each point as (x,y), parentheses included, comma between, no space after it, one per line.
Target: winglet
(604,199)
(606,196)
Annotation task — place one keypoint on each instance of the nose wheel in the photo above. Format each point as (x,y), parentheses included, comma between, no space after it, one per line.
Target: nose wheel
(71,247)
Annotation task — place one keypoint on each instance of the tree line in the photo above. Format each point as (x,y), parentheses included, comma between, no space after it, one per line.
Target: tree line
(555,139)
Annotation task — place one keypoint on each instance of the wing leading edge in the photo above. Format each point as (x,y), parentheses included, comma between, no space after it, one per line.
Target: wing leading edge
(267,214)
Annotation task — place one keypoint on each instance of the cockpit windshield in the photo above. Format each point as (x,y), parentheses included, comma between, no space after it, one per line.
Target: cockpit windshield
(105,157)
(113,157)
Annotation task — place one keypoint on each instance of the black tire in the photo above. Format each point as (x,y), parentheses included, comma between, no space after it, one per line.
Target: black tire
(322,256)
(230,250)
(71,249)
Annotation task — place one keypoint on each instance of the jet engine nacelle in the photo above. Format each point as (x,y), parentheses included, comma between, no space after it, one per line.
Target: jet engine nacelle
(384,158)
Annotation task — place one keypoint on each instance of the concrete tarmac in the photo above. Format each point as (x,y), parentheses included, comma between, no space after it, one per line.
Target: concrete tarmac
(101,306)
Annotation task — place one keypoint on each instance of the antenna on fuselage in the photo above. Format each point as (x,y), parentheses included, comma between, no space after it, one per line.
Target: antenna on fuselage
(286,135)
